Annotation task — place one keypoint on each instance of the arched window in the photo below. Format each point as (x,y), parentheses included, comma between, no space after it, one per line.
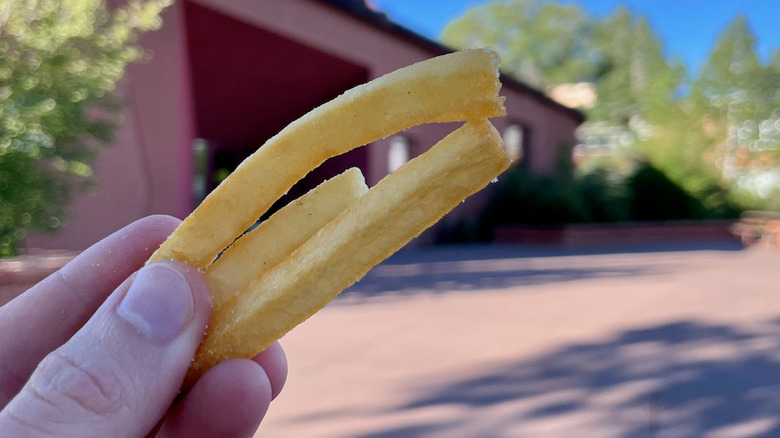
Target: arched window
(398,154)
(514,138)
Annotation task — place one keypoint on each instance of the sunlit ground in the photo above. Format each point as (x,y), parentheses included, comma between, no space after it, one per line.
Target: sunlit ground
(503,342)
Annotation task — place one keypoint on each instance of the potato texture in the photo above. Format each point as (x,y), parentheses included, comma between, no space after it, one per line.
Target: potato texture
(274,239)
(459,86)
(379,223)
(270,279)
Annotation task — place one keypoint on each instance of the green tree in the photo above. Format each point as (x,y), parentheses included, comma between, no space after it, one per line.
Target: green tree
(60,61)
(640,92)
(721,128)
(637,90)
(619,55)
(528,35)
(636,80)
(737,98)
(548,44)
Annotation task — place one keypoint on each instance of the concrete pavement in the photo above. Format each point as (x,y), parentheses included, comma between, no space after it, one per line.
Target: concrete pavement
(515,342)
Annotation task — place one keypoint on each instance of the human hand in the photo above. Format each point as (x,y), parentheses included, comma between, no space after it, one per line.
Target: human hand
(96,350)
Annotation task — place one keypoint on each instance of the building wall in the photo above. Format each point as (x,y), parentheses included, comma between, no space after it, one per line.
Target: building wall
(150,168)
(147,170)
(549,135)
(329,30)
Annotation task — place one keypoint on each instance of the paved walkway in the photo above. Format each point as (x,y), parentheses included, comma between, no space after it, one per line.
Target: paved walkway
(511,342)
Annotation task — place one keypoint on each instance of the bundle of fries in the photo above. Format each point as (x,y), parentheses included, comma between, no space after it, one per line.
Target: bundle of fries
(274,277)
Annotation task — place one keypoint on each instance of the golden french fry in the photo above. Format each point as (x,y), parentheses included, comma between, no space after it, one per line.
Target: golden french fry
(379,223)
(274,239)
(460,86)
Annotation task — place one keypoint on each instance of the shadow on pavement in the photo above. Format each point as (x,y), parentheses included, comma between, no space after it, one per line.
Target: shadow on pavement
(686,378)
(470,268)
(456,252)
(454,277)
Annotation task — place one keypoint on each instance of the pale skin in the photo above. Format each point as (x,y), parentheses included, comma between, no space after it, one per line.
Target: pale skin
(100,348)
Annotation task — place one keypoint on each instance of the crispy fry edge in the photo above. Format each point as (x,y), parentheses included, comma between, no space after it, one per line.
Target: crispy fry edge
(392,213)
(264,247)
(459,86)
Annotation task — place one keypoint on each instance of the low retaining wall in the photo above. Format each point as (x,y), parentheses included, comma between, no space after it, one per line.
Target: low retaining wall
(635,233)
(18,274)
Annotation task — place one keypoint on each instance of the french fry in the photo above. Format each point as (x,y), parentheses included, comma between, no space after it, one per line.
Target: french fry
(460,86)
(379,223)
(274,239)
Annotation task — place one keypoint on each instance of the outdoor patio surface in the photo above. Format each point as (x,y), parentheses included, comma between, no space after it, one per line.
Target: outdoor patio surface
(523,342)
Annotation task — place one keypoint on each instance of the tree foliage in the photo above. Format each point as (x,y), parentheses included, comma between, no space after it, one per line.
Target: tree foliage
(738,98)
(636,79)
(60,61)
(528,36)
(707,133)
(642,193)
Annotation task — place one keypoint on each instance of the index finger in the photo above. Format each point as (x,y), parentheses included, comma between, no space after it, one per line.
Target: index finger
(48,314)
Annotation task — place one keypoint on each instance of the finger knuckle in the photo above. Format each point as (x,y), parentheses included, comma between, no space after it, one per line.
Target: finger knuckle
(93,384)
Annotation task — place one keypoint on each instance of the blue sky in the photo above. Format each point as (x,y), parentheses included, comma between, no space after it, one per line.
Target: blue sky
(688,28)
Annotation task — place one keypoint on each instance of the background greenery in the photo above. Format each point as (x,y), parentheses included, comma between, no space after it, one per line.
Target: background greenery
(604,195)
(60,61)
(682,144)
(715,132)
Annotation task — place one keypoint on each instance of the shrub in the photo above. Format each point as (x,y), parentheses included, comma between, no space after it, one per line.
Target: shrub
(530,199)
(605,194)
(654,197)
(59,63)
(601,195)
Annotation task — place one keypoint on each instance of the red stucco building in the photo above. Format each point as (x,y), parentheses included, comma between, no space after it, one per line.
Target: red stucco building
(228,74)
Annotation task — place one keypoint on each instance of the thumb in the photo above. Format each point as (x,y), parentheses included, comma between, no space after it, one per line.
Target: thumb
(119,374)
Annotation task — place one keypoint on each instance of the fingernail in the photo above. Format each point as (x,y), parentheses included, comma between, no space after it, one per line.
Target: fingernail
(159,302)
